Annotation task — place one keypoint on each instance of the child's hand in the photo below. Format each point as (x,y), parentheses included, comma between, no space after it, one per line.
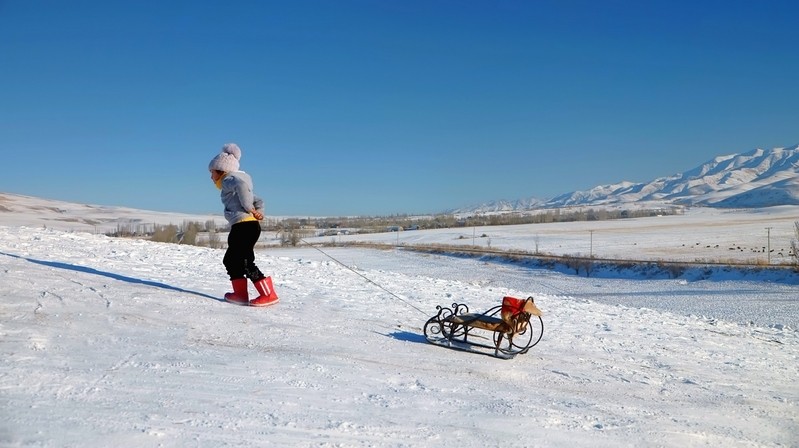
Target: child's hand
(257,215)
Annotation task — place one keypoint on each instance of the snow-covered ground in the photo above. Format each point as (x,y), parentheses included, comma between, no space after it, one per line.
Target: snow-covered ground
(116,342)
(700,234)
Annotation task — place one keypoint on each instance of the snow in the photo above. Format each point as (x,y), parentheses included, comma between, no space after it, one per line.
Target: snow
(700,234)
(726,181)
(123,342)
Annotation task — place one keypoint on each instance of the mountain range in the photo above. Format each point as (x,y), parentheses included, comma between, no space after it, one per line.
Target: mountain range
(754,179)
(758,178)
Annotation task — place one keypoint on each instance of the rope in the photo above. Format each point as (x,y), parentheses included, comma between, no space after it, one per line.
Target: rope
(366,278)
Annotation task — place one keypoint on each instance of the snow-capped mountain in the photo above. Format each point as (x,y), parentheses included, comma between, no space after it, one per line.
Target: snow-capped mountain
(501,206)
(758,178)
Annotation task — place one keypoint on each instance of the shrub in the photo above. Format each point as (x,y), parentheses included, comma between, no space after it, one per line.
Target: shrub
(214,241)
(165,234)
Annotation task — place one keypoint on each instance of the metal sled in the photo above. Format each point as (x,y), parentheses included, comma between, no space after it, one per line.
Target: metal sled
(515,326)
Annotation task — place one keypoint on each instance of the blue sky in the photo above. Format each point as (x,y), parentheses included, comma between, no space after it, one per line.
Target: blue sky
(359,107)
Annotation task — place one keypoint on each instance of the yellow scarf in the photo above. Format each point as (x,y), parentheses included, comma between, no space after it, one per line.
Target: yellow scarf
(218,182)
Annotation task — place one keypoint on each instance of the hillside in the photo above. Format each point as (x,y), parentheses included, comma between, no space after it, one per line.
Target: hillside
(21,210)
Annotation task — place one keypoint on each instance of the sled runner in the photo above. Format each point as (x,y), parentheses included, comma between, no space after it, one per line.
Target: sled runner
(515,326)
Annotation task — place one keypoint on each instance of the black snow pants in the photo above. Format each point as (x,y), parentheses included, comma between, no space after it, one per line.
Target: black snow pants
(240,255)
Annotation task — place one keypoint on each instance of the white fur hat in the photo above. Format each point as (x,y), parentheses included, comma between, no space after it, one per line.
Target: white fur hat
(227,160)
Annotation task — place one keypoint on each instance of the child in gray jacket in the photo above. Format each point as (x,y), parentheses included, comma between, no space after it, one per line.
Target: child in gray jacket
(244,211)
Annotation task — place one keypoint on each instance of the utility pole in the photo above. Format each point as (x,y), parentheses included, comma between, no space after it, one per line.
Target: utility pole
(592,244)
(768,249)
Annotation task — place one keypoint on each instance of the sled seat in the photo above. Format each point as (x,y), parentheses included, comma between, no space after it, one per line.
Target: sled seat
(514,315)
(476,320)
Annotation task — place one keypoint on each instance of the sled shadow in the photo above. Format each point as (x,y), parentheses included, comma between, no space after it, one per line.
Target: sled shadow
(407,336)
(111,275)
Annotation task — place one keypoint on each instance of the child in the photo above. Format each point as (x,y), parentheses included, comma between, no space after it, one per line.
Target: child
(243,210)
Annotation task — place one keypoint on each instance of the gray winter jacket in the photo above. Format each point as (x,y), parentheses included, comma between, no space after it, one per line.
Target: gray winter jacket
(238,197)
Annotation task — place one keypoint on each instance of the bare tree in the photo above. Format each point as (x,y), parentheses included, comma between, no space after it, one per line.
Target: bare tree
(189,233)
(214,241)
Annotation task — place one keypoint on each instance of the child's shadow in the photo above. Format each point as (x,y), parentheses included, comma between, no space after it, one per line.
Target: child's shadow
(122,278)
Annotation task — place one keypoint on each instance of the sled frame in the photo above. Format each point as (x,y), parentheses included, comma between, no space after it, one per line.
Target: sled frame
(513,331)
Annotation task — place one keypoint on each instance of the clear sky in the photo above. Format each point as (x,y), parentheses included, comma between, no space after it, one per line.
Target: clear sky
(355,107)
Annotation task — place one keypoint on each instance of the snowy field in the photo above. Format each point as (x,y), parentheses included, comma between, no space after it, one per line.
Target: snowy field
(700,234)
(114,342)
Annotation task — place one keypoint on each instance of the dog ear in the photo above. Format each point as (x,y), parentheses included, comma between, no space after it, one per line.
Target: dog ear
(530,308)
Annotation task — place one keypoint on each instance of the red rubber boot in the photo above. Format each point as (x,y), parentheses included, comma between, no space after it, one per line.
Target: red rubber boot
(239,296)
(267,296)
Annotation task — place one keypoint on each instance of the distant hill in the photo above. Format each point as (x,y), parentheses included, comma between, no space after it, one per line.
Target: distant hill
(20,210)
(758,178)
